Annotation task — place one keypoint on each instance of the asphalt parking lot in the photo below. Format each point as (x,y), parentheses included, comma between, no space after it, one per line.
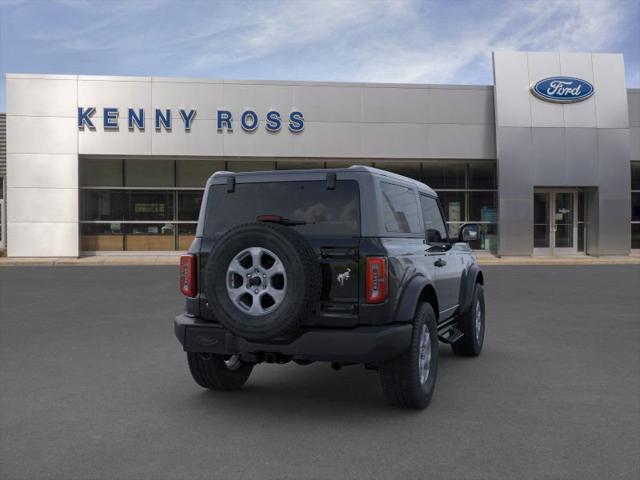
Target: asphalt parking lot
(93,385)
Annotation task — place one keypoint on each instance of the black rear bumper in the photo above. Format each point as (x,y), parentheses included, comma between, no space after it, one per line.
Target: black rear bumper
(370,344)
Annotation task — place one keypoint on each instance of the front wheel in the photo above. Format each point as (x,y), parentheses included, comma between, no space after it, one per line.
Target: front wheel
(409,380)
(218,372)
(472,325)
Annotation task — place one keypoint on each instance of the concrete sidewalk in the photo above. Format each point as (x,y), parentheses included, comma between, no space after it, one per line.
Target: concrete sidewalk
(484,258)
(92,260)
(489,259)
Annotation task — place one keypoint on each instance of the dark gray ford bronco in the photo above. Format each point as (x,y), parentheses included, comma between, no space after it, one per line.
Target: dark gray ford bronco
(348,266)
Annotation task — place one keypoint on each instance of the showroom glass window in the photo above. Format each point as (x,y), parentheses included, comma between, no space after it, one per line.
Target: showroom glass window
(467,191)
(153,204)
(141,204)
(635,205)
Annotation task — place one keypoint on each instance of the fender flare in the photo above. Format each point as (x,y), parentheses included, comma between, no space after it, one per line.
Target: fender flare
(409,300)
(467,286)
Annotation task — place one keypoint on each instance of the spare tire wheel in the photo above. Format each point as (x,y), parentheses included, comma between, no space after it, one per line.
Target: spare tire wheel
(262,280)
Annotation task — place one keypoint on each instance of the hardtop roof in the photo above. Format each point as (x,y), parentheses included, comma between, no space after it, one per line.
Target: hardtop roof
(363,169)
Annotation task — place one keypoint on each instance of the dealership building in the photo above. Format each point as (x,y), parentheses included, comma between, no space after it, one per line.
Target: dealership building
(547,159)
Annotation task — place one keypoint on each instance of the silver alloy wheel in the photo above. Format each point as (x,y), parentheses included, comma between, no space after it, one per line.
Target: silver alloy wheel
(256,281)
(424,355)
(478,320)
(233,362)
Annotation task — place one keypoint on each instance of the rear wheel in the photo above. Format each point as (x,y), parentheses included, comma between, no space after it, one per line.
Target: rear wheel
(218,372)
(409,380)
(472,325)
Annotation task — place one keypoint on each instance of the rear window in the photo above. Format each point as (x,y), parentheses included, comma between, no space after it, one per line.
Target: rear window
(326,212)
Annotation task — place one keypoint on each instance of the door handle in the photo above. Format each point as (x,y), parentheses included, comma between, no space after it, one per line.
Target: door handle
(439,263)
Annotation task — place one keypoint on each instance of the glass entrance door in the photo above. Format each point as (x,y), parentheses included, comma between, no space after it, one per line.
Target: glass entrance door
(555,222)
(564,223)
(541,223)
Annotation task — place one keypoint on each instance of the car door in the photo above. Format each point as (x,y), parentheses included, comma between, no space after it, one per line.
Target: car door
(447,267)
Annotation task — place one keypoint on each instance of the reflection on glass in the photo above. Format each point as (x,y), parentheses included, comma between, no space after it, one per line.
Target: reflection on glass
(189,205)
(195,173)
(250,166)
(435,229)
(635,206)
(489,236)
(148,237)
(347,164)
(453,205)
(635,175)
(540,208)
(298,165)
(488,239)
(170,205)
(320,211)
(541,230)
(149,173)
(482,175)
(101,172)
(564,219)
(564,236)
(454,229)
(444,174)
(101,237)
(482,207)
(581,236)
(103,205)
(400,209)
(150,205)
(541,236)
(408,169)
(635,235)
(186,234)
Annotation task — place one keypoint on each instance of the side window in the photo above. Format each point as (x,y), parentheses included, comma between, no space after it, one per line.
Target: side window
(400,209)
(435,229)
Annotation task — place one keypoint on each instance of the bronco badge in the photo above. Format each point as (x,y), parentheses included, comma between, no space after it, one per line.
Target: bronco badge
(344,276)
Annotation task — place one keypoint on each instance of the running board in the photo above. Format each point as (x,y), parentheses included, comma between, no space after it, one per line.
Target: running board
(452,335)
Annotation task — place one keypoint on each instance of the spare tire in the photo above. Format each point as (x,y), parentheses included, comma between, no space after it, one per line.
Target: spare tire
(262,280)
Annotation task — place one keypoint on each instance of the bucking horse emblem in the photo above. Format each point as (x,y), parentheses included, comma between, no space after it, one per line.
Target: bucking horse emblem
(344,276)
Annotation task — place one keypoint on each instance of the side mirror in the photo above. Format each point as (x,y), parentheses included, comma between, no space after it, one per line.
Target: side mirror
(469,232)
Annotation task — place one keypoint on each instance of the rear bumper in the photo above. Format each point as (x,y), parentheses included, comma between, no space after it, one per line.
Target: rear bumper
(361,344)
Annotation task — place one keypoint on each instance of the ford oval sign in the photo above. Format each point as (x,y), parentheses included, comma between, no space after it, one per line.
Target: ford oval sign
(562,89)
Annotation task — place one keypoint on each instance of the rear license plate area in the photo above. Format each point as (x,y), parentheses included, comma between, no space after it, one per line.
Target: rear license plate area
(211,340)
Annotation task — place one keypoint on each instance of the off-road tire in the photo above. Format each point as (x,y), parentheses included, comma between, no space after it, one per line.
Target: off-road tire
(210,371)
(470,345)
(303,280)
(400,377)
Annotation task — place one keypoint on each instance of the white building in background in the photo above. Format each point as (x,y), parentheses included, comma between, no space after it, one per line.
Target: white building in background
(547,159)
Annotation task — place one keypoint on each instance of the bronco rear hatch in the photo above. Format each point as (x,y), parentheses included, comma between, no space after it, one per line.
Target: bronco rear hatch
(325,212)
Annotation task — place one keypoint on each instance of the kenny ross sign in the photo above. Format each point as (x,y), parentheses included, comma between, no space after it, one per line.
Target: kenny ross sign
(162,119)
(562,89)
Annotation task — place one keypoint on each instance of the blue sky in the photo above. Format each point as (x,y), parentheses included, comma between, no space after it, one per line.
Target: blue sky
(443,41)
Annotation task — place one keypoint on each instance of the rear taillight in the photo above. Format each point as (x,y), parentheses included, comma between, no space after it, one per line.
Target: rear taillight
(188,285)
(377,280)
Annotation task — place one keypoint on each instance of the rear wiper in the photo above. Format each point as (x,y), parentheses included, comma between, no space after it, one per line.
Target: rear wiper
(281,220)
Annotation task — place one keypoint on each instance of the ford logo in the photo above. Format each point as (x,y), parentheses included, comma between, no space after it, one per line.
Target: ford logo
(206,340)
(562,89)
